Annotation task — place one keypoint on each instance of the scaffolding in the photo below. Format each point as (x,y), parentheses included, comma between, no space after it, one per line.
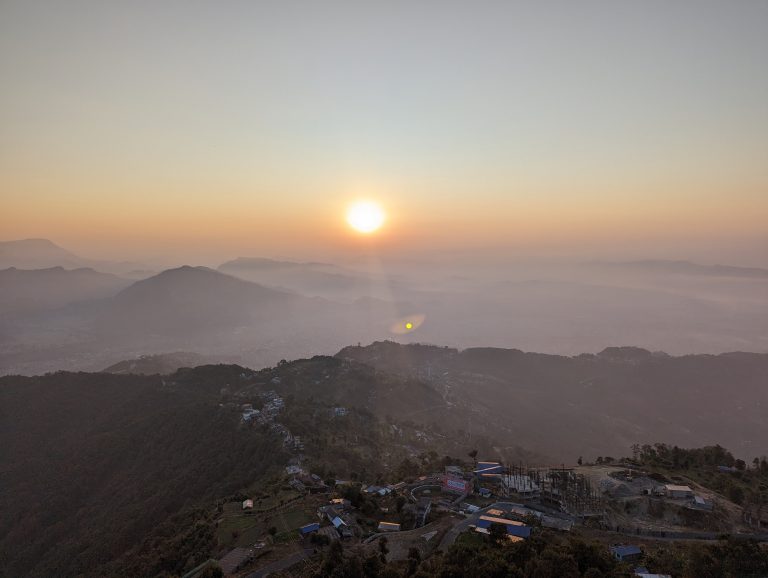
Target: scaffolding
(560,488)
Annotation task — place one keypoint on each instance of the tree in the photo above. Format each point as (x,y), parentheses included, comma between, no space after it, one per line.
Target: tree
(497,533)
(371,567)
(414,559)
(211,571)
(736,494)
(579,461)
(383,549)
(333,558)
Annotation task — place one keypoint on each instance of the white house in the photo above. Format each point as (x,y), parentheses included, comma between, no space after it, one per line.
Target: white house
(674,491)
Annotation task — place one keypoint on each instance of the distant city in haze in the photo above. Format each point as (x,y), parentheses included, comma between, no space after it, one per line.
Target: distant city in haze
(419,289)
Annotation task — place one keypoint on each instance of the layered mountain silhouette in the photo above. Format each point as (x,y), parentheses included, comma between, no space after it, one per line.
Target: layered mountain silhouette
(45,254)
(260,311)
(37,254)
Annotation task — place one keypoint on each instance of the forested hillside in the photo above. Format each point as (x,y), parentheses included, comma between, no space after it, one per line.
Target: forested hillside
(588,404)
(93,463)
(122,474)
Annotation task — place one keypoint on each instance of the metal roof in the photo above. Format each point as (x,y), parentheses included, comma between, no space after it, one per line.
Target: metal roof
(626,550)
(513,528)
(674,488)
(337,522)
(309,528)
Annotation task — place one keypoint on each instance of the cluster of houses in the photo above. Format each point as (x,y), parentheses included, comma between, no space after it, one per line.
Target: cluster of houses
(273,405)
(379,490)
(304,482)
(342,525)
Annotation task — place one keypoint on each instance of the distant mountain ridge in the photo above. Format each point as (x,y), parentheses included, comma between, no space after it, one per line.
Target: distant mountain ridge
(262,310)
(37,254)
(313,279)
(164,363)
(266,263)
(44,254)
(34,290)
(685,268)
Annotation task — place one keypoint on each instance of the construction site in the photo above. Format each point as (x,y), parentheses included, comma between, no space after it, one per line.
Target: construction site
(559,488)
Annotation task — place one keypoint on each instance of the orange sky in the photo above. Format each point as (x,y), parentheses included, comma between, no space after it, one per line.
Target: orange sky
(202,133)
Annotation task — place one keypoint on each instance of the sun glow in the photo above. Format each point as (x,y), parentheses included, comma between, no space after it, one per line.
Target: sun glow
(365,216)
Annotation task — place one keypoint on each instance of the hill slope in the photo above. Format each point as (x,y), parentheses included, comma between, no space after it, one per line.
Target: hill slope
(188,298)
(92,463)
(593,404)
(161,364)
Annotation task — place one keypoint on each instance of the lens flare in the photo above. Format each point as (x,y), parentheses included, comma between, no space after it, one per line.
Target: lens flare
(407,324)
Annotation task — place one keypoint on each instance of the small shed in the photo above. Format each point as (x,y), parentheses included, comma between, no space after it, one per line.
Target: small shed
(626,553)
(675,491)
(248,505)
(701,503)
(309,529)
(388,527)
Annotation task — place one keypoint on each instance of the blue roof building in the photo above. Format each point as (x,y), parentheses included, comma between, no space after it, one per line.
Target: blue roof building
(337,522)
(309,528)
(512,529)
(485,468)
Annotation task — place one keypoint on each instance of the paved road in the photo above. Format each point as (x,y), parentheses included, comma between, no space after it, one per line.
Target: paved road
(463,525)
(280,565)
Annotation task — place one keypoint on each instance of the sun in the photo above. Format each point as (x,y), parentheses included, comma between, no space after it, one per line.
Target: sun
(365,216)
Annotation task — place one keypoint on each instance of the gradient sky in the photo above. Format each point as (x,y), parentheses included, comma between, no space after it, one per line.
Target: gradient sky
(215,129)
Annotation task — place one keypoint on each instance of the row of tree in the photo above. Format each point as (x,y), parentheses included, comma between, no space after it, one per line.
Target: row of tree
(547,555)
